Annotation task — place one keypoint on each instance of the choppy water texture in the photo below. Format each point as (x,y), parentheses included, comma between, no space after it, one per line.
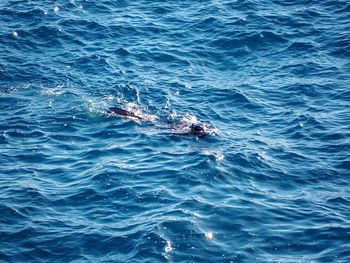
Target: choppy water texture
(77,185)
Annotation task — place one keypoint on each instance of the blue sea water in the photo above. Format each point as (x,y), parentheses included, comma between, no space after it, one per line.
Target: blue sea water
(271,77)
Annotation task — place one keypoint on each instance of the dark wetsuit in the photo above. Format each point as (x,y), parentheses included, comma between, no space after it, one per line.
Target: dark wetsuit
(122,112)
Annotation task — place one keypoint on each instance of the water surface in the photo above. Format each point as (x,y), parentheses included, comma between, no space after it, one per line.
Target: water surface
(77,185)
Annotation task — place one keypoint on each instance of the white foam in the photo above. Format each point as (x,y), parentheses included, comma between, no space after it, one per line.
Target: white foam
(168,248)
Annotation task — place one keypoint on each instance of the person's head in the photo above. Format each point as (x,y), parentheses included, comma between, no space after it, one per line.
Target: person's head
(198,130)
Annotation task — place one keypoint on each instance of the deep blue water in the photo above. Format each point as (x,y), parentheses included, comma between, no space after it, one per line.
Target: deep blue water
(273,79)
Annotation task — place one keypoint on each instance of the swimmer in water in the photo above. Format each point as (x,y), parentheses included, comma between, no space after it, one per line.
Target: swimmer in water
(197,129)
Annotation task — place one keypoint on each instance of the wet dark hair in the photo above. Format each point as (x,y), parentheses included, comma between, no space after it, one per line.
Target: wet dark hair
(198,130)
